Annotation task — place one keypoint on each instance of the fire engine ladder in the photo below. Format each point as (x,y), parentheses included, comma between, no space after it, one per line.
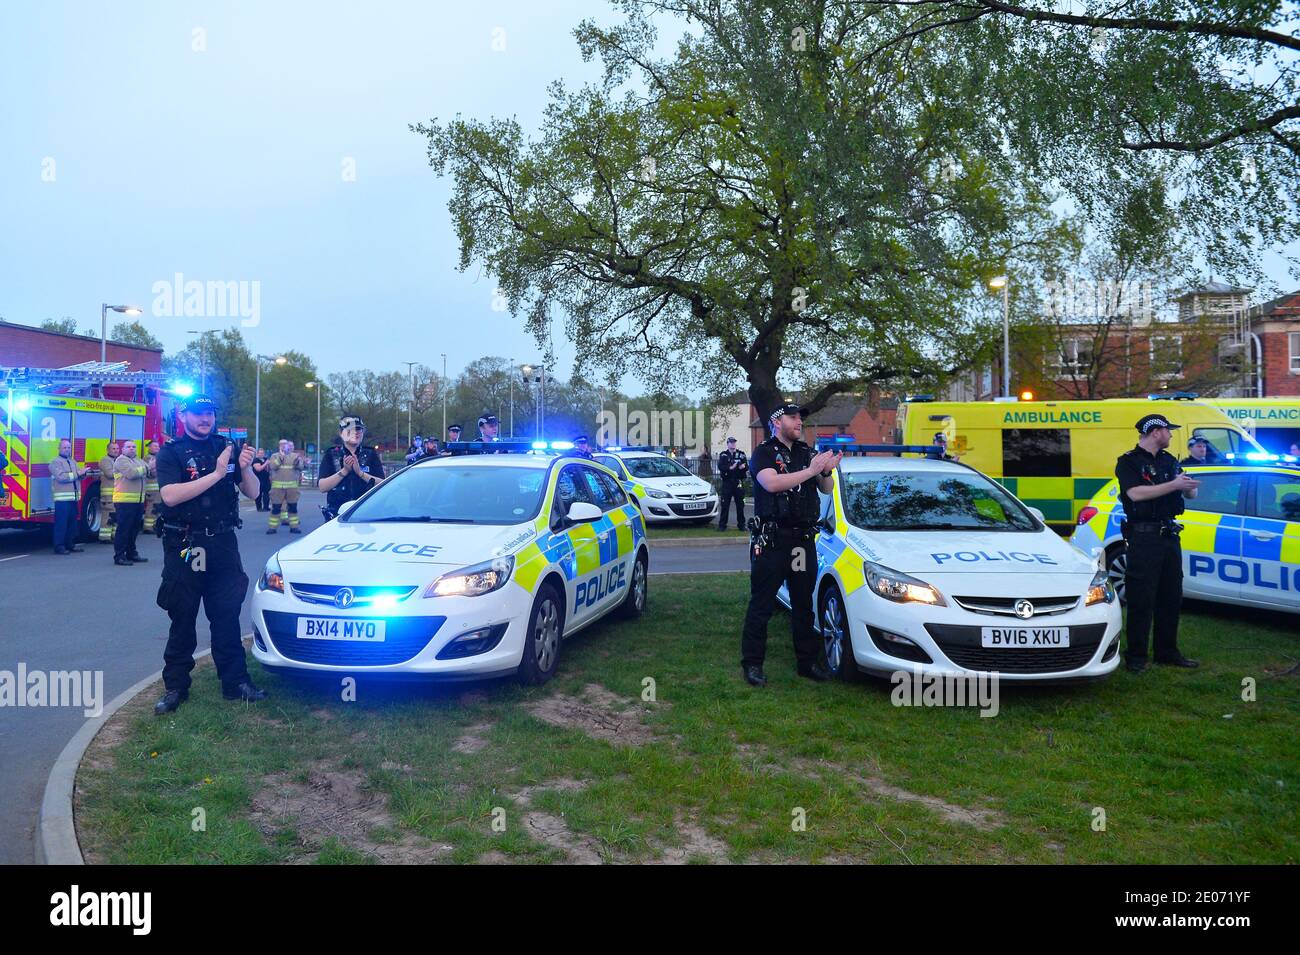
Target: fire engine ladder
(86,377)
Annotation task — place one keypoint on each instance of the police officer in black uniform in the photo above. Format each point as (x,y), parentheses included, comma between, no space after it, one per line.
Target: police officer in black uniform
(1152,487)
(787,476)
(200,475)
(732,468)
(349,468)
(582,447)
(1199,453)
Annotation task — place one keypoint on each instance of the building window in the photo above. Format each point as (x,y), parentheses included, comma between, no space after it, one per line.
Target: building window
(1036,452)
(1073,358)
(1166,356)
(1294,338)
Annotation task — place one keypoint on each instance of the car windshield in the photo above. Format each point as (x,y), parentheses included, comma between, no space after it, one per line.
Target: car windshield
(654,467)
(454,494)
(931,500)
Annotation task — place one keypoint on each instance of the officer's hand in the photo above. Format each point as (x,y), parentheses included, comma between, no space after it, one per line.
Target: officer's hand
(1185,482)
(821,461)
(245,458)
(223,459)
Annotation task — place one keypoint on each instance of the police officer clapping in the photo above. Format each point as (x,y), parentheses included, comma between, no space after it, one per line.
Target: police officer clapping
(787,477)
(349,469)
(200,475)
(1152,488)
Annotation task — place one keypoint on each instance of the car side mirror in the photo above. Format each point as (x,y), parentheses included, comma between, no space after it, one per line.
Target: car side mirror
(580,512)
(346,506)
(1037,513)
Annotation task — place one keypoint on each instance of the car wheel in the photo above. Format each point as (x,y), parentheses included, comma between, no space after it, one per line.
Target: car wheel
(1116,566)
(633,604)
(90,515)
(837,647)
(544,638)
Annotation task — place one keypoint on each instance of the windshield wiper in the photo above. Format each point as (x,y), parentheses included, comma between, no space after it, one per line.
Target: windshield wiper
(419,519)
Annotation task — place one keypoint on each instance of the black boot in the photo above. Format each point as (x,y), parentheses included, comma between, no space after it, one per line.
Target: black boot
(815,671)
(171,702)
(245,691)
(754,676)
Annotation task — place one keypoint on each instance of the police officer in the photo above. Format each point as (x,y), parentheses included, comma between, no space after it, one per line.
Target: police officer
(487,427)
(1152,487)
(582,448)
(349,468)
(1199,453)
(200,476)
(732,468)
(787,476)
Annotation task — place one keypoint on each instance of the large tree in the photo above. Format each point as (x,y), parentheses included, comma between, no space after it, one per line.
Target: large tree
(772,198)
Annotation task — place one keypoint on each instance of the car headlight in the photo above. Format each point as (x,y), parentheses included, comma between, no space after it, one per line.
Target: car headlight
(272,577)
(899,587)
(658,493)
(1100,590)
(473,581)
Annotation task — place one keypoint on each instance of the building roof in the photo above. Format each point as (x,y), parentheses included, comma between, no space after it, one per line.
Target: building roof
(1283,308)
(1214,288)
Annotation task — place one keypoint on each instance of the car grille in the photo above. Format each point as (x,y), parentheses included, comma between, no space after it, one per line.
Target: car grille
(361,596)
(1006,606)
(691,497)
(962,646)
(693,512)
(404,637)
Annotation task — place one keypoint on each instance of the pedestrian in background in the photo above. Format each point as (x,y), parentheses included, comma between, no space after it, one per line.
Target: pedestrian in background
(65,476)
(151,487)
(263,500)
(128,501)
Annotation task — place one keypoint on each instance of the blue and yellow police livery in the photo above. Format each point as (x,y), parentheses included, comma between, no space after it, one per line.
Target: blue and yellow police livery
(460,567)
(1240,537)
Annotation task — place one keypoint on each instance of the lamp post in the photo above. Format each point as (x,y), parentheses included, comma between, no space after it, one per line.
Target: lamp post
(257,413)
(512,401)
(410,401)
(317,386)
(1003,282)
(104,309)
(203,359)
(444,396)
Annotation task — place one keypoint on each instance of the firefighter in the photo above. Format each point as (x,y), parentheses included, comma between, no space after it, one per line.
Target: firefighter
(151,487)
(285,467)
(65,476)
(199,480)
(128,501)
(107,517)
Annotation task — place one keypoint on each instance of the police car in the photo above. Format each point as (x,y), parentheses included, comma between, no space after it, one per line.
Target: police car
(464,567)
(926,564)
(1240,537)
(663,489)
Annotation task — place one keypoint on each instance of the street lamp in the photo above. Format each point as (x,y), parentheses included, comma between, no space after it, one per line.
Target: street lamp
(203,359)
(103,324)
(539,378)
(444,396)
(257,414)
(317,385)
(410,372)
(1003,282)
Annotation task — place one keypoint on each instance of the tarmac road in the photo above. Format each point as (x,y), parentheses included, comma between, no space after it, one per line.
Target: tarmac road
(82,612)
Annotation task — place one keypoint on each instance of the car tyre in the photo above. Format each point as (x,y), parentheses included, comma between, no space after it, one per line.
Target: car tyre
(544,638)
(638,588)
(837,645)
(1116,566)
(91,515)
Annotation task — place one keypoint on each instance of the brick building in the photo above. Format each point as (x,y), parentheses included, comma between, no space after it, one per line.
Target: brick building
(22,346)
(1276,325)
(867,421)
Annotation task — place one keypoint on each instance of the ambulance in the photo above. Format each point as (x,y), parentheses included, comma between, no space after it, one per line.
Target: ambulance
(91,404)
(1273,422)
(466,567)
(1055,455)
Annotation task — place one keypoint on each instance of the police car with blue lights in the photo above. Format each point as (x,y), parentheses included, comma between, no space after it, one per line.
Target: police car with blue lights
(1240,536)
(663,489)
(470,566)
(925,564)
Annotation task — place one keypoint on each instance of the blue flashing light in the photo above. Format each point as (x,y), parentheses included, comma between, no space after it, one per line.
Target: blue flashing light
(1261,457)
(539,445)
(23,403)
(561,445)
(182,390)
(930,450)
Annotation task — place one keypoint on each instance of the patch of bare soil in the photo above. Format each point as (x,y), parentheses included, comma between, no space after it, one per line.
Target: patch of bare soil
(696,845)
(336,804)
(552,830)
(473,739)
(599,713)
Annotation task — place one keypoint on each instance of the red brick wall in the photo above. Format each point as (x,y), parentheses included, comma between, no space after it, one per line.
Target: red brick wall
(1278,380)
(23,346)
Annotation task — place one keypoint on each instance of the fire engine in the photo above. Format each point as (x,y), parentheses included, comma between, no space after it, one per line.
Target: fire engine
(91,404)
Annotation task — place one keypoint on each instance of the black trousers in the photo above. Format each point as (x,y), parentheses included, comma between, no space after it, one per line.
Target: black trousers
(214,577)
(731,492)
(263,499)
(130,517)
(1153,582)
(791,559)
(65,525)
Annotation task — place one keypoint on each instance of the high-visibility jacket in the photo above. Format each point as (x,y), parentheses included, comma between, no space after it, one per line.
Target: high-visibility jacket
(151,476)
(66,479)
(107,467)
(128,483)
(286,469)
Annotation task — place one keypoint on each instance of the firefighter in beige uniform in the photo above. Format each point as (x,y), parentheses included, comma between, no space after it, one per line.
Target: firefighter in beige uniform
(128,502)
(151,498)
(286,467)
(107,475)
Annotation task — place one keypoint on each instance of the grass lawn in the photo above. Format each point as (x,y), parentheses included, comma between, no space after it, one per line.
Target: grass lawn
(583,770)
(686,531)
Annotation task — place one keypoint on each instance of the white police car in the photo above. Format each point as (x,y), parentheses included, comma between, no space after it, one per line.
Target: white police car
(925,564)
(461,567)
(1240,537)
(663,489)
